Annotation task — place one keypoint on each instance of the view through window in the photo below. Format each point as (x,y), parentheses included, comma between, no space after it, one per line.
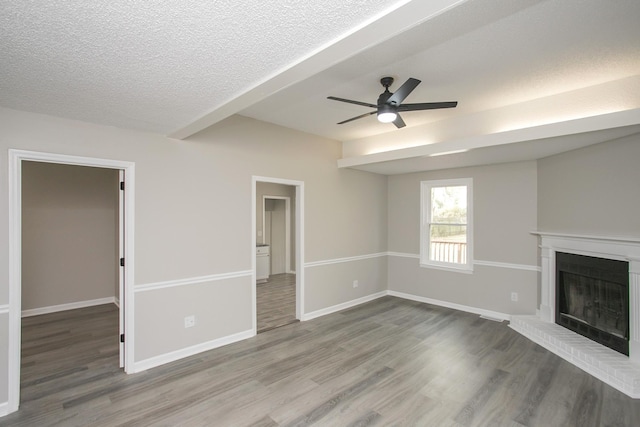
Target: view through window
(446,223)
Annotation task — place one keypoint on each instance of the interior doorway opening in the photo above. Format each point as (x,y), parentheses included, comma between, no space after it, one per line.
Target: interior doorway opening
(124,178)
(277,245)
(276,231)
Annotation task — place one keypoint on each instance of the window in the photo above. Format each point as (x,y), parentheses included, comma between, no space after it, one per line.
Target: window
(447,224)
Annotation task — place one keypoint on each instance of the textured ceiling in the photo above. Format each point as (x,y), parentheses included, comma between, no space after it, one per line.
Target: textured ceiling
(157,65)
(176,68)
(485,54)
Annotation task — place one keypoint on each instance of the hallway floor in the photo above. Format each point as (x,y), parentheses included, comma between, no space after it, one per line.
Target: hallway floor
(276,301)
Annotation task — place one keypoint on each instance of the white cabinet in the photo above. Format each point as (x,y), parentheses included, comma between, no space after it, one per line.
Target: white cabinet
(263,263)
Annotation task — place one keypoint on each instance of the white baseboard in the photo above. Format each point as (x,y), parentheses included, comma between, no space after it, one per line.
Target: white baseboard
(162,359)
(69,306)
(4,409)
(343,306)
(468,309)
(475,310)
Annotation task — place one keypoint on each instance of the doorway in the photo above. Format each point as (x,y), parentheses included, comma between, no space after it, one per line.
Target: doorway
(276,232)
(277,229)
(126,179)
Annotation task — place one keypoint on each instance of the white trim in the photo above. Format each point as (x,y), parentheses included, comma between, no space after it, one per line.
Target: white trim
(299,236)
(494,315)
(403,255)
(122,270)
(447,304)
(4,309)
(172,356)
(346,259)
(425,224)
(4,409)
(191,281)
(507,265)
(15,159)
(343,306)
(495,264)
(619,239)
(68,306)
(467,268)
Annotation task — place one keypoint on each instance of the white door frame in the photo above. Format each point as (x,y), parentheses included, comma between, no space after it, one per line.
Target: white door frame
(287,227)
(16,157)
(299,230)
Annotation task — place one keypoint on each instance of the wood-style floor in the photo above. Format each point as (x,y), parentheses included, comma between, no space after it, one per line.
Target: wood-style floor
(276,302)
(390,362)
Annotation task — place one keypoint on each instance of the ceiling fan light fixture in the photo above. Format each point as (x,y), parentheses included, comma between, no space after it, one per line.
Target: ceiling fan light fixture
(389,104)
(386,114)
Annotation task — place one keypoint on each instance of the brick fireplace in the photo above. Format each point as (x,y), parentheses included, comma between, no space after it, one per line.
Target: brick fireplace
(610,366)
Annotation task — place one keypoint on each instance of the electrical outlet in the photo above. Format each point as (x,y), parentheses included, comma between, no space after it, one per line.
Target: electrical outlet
(514,296)
(355,283)
(189,321)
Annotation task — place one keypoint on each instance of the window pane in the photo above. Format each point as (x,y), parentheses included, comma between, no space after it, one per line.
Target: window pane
(448,243)
(449,205)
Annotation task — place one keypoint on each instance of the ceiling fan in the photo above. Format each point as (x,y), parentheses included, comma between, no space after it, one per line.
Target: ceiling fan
(390,103)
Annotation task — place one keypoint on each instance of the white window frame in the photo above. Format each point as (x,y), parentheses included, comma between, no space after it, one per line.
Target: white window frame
(425,221)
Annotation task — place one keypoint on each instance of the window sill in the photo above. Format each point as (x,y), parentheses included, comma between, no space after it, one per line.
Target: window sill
(466,269)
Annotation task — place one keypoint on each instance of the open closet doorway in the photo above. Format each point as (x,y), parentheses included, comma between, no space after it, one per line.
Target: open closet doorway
(70,237)
(276,232)
(277,236)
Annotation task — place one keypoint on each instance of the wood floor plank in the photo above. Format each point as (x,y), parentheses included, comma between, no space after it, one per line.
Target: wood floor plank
(276,302)
(389,362)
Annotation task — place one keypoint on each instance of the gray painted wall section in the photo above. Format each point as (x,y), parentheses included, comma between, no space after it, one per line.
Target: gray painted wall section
(329,284)
(504,215)
(592,191)
(69,234)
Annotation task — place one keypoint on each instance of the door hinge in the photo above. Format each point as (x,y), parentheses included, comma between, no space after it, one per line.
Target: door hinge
(122,185)
(121,337)
(121,262)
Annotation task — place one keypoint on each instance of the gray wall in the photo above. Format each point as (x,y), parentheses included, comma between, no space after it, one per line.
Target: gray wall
(504,198)
(193,219)
(69,234)
(592,191)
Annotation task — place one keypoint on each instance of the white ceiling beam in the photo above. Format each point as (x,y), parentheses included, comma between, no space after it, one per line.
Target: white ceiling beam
(552,130)
(390,23)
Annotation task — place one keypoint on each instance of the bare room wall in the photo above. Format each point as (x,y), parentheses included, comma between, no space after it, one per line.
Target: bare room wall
(505,252)
(69,234)
(592,191)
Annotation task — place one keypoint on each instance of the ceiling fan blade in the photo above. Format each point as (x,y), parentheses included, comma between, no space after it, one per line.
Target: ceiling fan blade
(399,122)
(364,104)
(427,106)
(403,91)
(361,116)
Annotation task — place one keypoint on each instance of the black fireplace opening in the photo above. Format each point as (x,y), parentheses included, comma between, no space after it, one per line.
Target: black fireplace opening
(592,298)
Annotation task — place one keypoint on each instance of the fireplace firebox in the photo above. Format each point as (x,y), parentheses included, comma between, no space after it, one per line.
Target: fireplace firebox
(592,298)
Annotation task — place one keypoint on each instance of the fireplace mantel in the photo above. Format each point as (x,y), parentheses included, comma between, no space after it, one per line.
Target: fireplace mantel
(622,249)
(617,370)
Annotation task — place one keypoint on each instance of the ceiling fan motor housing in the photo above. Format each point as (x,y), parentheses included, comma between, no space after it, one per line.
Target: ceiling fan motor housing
(386,81)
